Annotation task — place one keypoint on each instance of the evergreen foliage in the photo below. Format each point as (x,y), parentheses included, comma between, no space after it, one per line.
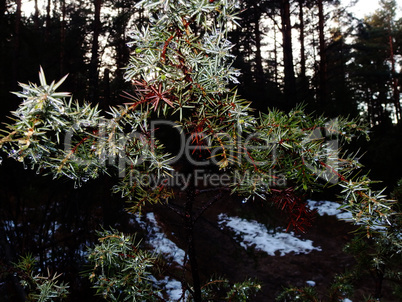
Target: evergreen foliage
(180,70)
(121,269)
(40,288)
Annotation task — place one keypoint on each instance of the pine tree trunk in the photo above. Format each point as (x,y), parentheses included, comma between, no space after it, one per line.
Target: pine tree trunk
(302,46)
(62,36)
(17,30)
(275,57)
(105,102)
(290,80)
(48,20)
(122,52)
(303,85)
(93,67)
(395,90)
(2,48)
(378,283)
(2,8)
(258,56)
(323,58)
(36,15)
(370,111)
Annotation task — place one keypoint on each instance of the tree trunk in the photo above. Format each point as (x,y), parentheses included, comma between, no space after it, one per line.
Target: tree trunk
(275,57)
(395,90)
(48,20)
(3,50)
(369,102)
(105,103)
(17,30)
(323,58)
(290,80)
(302,46)
(93,67)
(62,36)
(36,16)
(3,8)
(379,282)
(303,83)
(258,57)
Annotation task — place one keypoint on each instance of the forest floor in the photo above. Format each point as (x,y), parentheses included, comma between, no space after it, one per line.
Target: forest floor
(220,253)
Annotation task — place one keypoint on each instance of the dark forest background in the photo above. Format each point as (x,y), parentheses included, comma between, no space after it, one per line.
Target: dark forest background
(311,52)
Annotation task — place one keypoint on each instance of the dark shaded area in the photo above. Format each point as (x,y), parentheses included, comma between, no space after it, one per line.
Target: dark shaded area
(383,154)
(220,254)
(57,222)
(53,222)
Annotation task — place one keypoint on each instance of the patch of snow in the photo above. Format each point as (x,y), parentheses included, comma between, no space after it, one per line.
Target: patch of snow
(158,240)
(174,290)
(310,283)
(346,300)
(330,208)
(255,234)
(171,287)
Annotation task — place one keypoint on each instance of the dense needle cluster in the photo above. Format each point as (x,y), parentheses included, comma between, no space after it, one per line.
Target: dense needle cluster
(181,71)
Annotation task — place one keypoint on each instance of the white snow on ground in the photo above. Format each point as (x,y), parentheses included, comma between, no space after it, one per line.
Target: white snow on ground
(253,233)
(158,240)
(330,208)
(162,245)
(171,287)
(250,233)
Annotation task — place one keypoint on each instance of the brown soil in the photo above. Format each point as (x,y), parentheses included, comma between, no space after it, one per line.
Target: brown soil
(219,254)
